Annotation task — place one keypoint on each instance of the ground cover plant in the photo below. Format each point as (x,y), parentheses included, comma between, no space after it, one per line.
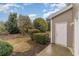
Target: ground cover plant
(5,48)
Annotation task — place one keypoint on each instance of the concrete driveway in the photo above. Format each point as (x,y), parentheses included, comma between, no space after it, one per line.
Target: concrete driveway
(55,50)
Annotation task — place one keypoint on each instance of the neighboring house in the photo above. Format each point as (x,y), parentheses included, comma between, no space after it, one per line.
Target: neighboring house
(64,27)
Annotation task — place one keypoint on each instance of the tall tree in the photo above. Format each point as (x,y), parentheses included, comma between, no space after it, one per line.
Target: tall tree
(24,24)
(11,24)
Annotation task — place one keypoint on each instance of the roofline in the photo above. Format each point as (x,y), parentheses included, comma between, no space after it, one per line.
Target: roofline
(60,11)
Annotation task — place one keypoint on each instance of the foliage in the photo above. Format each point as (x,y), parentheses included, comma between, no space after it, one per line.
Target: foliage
(3,28)
(41,38)
(32,31)
(41,24)
(5,49)
(24,24)
(48,26)
(48,21)
(11,24)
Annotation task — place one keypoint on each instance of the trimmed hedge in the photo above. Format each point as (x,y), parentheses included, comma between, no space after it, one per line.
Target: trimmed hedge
(5,49)
(32,31)
(41,38)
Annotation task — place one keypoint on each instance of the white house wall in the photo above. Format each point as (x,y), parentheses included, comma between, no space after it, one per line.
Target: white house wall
(76,28)
(61,18)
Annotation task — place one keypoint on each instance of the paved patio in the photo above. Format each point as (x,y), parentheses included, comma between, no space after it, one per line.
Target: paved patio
(55,50)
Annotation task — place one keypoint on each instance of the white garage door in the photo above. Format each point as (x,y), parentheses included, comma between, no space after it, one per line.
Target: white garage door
(61,34)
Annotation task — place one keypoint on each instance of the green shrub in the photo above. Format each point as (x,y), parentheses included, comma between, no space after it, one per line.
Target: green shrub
(3,28)
(41,38)
(41,24)
(48,26)
(5,49)
(32,31)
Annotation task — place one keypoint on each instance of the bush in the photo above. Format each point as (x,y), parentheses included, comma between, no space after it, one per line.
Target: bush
(3,28)
(41,38)
(5,49)
(48,26)
(41,24)
(32,31)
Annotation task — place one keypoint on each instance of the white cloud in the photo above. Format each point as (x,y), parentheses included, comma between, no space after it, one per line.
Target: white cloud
(27,4)
(53,8)
(44,10)
(6,7)
(32,16)
(52,5)
(45,15)
(57,5)
(61,5)
(46,4)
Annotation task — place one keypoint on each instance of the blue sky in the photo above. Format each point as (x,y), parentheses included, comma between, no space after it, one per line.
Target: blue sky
(33,10)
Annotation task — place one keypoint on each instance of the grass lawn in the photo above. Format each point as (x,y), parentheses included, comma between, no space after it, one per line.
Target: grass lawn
(23,45)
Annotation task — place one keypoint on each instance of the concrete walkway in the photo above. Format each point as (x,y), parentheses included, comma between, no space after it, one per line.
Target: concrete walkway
(55,50)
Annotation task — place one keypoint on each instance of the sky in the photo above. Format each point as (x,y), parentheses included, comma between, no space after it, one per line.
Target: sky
(33,10)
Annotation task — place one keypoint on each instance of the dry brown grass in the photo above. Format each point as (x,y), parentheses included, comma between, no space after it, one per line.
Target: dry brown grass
(23,45)
(19,43)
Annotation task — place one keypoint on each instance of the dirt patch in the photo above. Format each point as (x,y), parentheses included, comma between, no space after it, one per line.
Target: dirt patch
(23,45)
(18,42)
(35,49)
